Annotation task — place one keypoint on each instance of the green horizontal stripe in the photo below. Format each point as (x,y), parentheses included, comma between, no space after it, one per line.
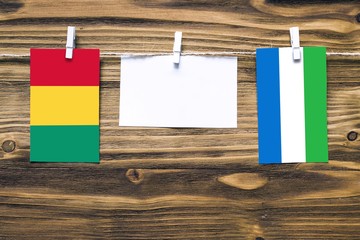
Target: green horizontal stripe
(64,143)
(315,104)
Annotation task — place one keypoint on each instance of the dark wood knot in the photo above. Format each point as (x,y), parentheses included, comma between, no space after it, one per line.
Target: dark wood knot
(358,18)
(10,6)
(8,146)
(259,238)
(352,136)
(135,176)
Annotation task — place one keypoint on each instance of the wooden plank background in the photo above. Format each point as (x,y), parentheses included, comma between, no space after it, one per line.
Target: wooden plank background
(179,183)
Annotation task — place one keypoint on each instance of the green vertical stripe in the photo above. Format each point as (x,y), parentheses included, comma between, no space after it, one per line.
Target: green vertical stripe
(315,104)
(64,144)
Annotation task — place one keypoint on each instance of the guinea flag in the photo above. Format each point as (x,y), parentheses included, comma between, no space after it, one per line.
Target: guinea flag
(292,118)
(64,105)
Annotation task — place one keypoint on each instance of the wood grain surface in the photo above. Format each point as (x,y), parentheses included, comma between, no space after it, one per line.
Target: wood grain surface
(165,183)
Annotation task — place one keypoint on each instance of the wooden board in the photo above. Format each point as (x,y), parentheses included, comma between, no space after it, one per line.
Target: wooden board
(180,183)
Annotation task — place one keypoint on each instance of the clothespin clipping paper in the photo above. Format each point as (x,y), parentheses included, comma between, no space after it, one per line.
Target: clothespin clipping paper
(177,47)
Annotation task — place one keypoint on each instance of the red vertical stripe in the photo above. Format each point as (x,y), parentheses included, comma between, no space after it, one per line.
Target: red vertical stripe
(49,67)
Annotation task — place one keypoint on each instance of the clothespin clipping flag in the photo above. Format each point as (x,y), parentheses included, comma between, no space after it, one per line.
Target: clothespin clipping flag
(64,105)
(292,120)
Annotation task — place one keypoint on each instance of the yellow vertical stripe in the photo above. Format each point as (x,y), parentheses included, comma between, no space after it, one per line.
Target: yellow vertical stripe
(63,105)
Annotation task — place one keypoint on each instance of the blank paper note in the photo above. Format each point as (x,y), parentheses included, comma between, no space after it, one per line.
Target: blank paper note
(200,92)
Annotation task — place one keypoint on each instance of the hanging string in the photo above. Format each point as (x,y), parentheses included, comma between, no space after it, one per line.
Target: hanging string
(182,53)
(129,54)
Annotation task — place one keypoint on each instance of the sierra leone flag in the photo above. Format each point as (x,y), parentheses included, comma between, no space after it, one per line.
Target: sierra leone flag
(292,121)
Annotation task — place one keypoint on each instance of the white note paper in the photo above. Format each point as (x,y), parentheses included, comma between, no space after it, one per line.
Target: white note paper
(200,92)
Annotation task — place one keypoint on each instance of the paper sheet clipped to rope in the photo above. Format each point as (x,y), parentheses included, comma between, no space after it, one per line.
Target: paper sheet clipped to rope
(64,105)
(292,119)
(200,92)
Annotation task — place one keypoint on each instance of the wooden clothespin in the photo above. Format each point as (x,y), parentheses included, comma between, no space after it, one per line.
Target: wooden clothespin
(70,42)
(177,47)
(295,42)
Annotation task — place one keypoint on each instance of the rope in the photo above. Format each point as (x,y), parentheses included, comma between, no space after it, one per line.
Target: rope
(127,54)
